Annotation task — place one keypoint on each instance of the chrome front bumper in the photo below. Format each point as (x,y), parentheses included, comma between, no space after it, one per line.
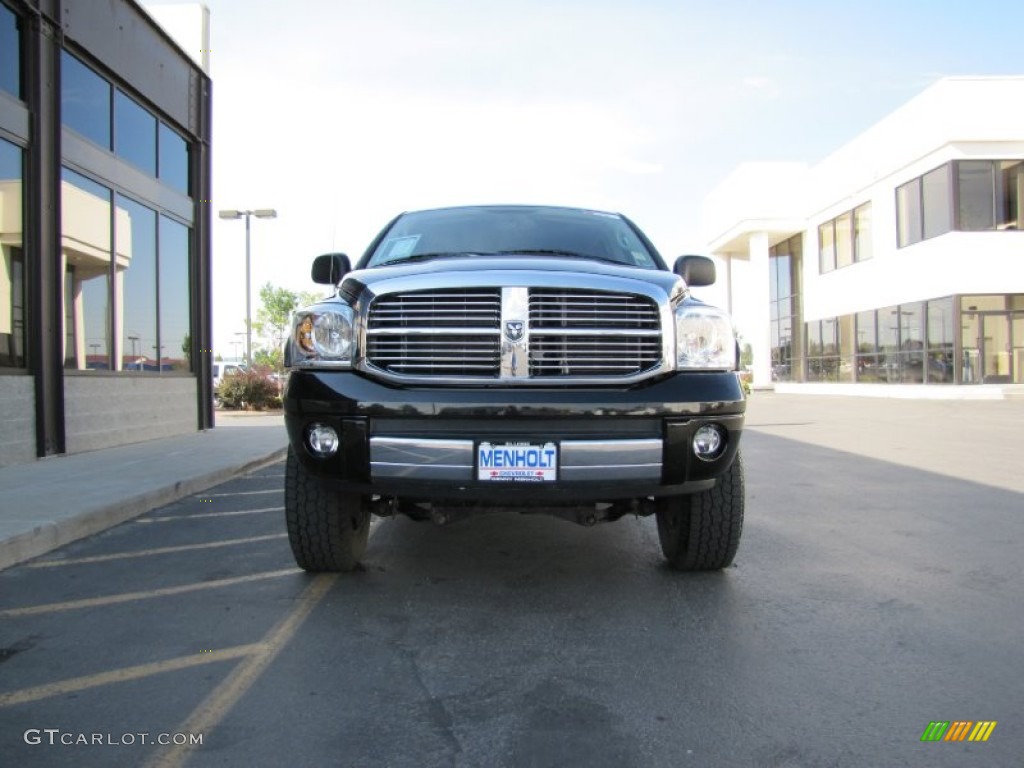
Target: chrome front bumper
(454,460)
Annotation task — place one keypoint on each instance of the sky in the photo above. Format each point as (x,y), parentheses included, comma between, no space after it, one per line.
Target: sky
(340,114)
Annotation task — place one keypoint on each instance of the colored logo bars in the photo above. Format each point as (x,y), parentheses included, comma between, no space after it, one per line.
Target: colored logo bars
(958,730)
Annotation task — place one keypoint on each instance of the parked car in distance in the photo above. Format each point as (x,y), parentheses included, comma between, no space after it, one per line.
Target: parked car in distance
(220,370)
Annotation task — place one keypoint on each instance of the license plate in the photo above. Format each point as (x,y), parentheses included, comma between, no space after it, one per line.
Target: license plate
(517,462)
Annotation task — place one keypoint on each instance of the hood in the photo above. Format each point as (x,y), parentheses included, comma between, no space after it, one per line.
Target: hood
(466,271)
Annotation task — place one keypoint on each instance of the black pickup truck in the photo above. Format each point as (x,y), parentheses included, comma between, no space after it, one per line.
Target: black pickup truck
(539,359)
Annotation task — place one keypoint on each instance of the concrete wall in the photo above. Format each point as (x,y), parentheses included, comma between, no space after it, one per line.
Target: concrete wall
(17,420)
(103,411)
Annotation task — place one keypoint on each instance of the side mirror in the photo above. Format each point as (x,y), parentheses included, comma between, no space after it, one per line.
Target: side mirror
(695,270)
(330,268)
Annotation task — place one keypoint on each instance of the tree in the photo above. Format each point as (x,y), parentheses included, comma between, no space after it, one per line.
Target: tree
(747,355)
(273,322)
(269,357)
(309,297)
(274,314)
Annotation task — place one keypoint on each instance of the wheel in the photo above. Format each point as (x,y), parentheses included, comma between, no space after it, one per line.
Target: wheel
(701,532)
(327,530)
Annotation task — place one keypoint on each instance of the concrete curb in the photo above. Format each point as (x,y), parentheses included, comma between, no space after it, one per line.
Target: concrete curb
(49,535)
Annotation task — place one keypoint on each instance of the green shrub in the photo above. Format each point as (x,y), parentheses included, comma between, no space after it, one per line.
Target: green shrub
(248,390)
(746,379)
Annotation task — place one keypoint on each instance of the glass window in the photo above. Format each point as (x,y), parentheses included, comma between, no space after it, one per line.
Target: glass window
(813,331)
(829,337)
(867,347)
(940,340)
(938,206)
(814,338)
(10,52)
(976,185)
(940,323)
(175,299)
(85,100)
(828,367)
(867,333)
(12,260)
(85,247)
(862,233)
(985,303)
(782,350)
(773,276)
(134,133)
(908,213)
(911,322)
(785,287)
(826,247)
(173,169)
(888,344)
(971,365)
(135,235)
(847,353)
(844,240)
(1012,194)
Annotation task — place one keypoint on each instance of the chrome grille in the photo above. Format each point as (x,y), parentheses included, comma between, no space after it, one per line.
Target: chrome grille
(459,308)
(592,333)
(451,332)
(595,310)
(461,334)
(433,354)
(592,355)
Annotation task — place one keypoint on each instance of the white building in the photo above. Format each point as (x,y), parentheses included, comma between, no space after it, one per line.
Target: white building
(897,260)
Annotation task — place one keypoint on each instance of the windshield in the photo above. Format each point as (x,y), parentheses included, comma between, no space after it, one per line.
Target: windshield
(500,230)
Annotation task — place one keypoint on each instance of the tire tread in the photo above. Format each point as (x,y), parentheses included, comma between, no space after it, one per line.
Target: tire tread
(320,522)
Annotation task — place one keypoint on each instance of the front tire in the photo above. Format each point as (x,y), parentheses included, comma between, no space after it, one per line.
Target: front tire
(701,532)
(327,530)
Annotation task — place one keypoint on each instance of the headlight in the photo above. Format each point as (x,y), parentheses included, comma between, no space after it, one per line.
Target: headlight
(704,338)
(322,335)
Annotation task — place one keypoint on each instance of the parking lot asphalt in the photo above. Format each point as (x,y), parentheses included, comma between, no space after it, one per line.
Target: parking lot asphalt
(57,500)
(978,441)
(876,591)
(54,501)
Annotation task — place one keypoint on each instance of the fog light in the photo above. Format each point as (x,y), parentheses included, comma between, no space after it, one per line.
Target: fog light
(323,440)
(708,442)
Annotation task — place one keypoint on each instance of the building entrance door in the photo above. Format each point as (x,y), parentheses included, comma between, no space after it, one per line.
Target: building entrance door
(993,344)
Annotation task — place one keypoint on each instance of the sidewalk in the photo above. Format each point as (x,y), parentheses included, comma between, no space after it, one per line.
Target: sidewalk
(56,500)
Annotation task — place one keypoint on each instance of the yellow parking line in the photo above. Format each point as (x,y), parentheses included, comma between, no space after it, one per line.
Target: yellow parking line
(124,674)
(125,597)
(220,701)
(208,514)
(156,551)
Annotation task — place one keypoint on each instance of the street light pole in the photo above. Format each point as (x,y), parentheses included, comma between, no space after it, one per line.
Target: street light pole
(259,213)
(248,299)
